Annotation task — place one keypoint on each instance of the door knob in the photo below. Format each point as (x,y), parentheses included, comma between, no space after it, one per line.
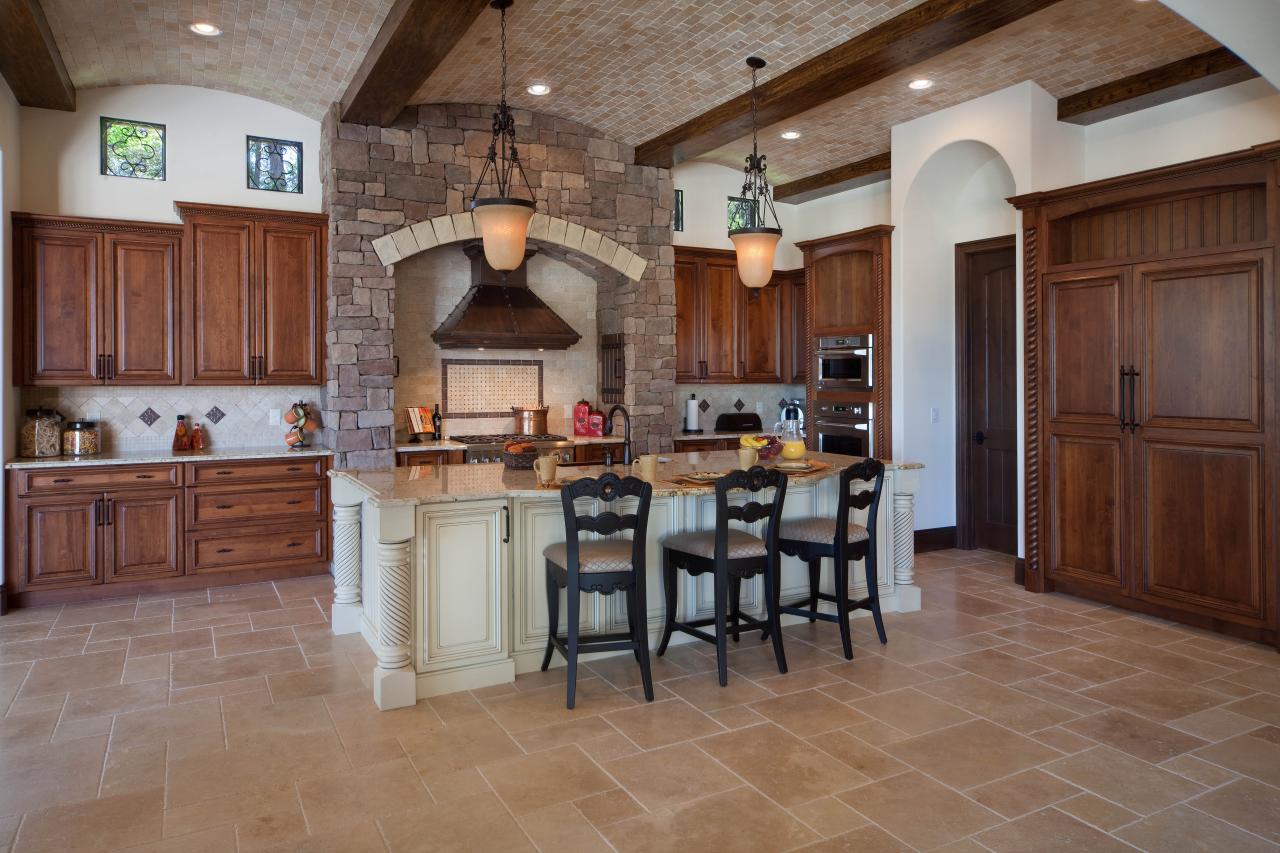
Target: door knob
(979,437)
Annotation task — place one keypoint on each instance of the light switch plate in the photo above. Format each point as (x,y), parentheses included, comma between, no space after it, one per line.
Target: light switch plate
(933,415)
(273,417)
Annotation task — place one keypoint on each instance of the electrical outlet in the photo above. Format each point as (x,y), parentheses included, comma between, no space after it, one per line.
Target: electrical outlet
(273,417)
(933,415)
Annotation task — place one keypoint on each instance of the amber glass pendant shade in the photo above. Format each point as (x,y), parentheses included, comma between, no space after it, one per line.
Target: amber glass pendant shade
(755,248)
(504,225)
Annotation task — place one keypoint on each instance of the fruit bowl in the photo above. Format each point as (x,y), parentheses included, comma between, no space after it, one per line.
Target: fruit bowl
(766,446)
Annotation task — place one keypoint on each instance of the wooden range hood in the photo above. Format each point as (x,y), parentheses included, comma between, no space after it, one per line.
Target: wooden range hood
(501,312)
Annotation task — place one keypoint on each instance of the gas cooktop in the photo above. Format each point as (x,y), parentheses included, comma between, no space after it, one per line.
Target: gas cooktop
(488,448)
(499,438)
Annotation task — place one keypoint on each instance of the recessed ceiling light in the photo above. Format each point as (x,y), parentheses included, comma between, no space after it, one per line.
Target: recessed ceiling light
(204,28)
(539,89)
(920,83)
(790,134)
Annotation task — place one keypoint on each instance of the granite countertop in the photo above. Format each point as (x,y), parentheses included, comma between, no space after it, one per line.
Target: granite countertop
(711,435)
(453,483)
(448,444)
(160,456)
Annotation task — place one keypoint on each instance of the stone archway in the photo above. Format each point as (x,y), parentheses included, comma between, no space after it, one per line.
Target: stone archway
(456,227)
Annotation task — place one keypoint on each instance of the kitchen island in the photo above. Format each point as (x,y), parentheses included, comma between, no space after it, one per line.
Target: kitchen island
(441,570)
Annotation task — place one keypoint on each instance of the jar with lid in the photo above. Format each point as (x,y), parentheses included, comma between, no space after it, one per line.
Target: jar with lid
(41,433)
(81,438)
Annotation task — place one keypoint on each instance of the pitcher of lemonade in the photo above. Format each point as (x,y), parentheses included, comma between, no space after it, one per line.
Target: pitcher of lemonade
(791,434)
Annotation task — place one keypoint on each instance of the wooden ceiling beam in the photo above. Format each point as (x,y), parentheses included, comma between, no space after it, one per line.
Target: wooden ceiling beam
(1190,76)
(29,58)
(916,35)
(414,39)
(839,179)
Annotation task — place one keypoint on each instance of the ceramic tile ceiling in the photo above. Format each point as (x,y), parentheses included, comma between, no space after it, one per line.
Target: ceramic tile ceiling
(634,68)
(296,53)
(1069,47)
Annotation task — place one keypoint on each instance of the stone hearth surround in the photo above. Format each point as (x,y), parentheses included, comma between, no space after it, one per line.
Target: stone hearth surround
(380,180)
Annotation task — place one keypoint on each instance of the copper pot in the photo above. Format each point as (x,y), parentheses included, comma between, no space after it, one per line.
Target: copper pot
(530,421)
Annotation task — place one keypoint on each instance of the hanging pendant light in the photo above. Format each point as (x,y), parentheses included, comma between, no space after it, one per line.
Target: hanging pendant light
(755,242)
(503,219)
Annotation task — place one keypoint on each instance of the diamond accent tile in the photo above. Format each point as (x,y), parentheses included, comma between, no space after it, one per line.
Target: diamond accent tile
(215,414)
(739,405)
(782,404)
(704,405)
(148,416)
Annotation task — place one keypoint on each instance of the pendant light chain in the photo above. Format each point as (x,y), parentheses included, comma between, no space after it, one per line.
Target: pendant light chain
(754,112)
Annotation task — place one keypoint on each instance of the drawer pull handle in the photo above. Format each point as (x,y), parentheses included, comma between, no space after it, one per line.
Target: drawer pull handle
(293,503)
(223,473)
(144,476)
(294,468)
(64,479)
(293,545)
(225,550)
(223,506)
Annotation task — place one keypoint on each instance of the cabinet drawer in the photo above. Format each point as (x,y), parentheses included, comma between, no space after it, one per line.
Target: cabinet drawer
(593,454)
(98,478)
(218,504)
(203,473)
(222,550)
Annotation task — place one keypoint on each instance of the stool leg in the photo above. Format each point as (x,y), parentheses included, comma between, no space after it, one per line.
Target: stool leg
(815,577)
(631,620)
(571,644)
(873,591)
(640,633)
(735,606)
(722,650)
(669,592)
(553,614)
(842,601)
(772,598)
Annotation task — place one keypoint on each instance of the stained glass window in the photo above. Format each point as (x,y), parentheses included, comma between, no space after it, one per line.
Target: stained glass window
(742,213)
(132,149)
(275,164)
(678,216)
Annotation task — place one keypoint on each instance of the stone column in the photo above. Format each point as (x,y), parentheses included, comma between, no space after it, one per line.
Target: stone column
(346,569)
(394,683)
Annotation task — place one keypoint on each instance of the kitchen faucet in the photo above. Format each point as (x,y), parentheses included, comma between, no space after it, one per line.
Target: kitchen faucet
(626,430)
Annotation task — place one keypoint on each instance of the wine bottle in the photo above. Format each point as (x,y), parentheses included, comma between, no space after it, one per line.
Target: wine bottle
(436,422)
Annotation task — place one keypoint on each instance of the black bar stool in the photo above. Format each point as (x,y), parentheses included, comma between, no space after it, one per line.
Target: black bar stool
(811,539)
(732,555)
(605,566)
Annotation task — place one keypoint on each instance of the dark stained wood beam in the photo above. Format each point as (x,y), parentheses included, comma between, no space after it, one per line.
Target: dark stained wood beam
(29,58)
(916,35)
(839,179)
(414,39)
(1191,76)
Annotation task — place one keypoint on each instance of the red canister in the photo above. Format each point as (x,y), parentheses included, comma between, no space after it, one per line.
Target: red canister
(581,418)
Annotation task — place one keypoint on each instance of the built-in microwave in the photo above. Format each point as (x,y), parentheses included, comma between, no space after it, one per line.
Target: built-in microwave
(843,428)
(844,363)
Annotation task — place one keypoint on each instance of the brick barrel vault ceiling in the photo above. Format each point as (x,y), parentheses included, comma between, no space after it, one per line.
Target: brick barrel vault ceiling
(295,53)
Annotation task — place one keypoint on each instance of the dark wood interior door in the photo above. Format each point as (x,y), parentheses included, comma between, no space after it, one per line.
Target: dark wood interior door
(61,302)
(688,323)
(761,329)
(719,319)
(219,303)
(141,309)
(1200,441)
(986,293)
(60,541)
(289,333)
(143,535)
(1086,483)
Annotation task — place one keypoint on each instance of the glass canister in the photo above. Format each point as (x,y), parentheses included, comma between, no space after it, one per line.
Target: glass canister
(41,433)
(81,438)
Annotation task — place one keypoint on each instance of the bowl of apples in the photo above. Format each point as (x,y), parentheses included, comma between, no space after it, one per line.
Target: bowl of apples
(766,446)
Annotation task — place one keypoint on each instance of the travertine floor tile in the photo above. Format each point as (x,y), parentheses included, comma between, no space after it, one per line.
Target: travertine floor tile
(1184,828)
(1097,812)
(563,828)
(919,811)
(808,713)
(912,711)
(971,753)
(475,823)
(783,767)
(741,813)
(657,724)
(1245,803)
(665,778)
(41,776)
(1137,736)
(1048,831)
(1125,780)
(527,783)
(334,801)
(94,825)
(1023,793)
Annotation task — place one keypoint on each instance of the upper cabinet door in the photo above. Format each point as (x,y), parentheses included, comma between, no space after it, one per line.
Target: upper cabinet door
(218,303)
(290,332)
(141,309)
(795,337)
(688,323)
(61,300)
(761,328)
(719,322)
(844,293)
(1086,345)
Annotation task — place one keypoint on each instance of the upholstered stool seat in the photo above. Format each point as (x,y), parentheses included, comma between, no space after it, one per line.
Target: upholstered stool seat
(602,555)
(819,530)
(702,543)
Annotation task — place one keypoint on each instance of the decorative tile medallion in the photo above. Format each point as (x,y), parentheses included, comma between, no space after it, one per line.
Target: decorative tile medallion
(739,405)
(149,416)
(215,414)
(704,405)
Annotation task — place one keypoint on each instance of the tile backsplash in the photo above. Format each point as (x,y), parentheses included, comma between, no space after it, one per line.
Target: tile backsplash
(720,399)
(143,417)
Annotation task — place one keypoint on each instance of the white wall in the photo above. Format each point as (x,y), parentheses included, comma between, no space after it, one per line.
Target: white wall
(707,187)
(1250,28)
(205,139)
(10,146)
(843,211)
(1215,122)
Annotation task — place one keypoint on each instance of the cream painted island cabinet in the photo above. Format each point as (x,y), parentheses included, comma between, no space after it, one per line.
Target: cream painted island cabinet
(441,570)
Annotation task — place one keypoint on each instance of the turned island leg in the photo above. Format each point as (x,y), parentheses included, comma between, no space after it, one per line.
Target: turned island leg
(347,609)
(394,683)
(903,521)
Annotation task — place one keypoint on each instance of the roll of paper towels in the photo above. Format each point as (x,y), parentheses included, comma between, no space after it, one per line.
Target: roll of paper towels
(691,414)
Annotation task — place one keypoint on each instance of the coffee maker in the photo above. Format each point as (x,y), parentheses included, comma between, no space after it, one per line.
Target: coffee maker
(792,410)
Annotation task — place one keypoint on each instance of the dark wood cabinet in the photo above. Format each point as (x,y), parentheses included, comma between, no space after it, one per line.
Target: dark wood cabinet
(253,296)
(1151,438)
(796,348)
(702,445)
(58,541)
(593,454)
(419,458)
(726,332)
(96,301)
(142,535)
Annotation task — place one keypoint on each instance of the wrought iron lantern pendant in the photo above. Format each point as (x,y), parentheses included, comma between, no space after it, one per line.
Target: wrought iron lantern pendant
(503,219)
(755,242)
